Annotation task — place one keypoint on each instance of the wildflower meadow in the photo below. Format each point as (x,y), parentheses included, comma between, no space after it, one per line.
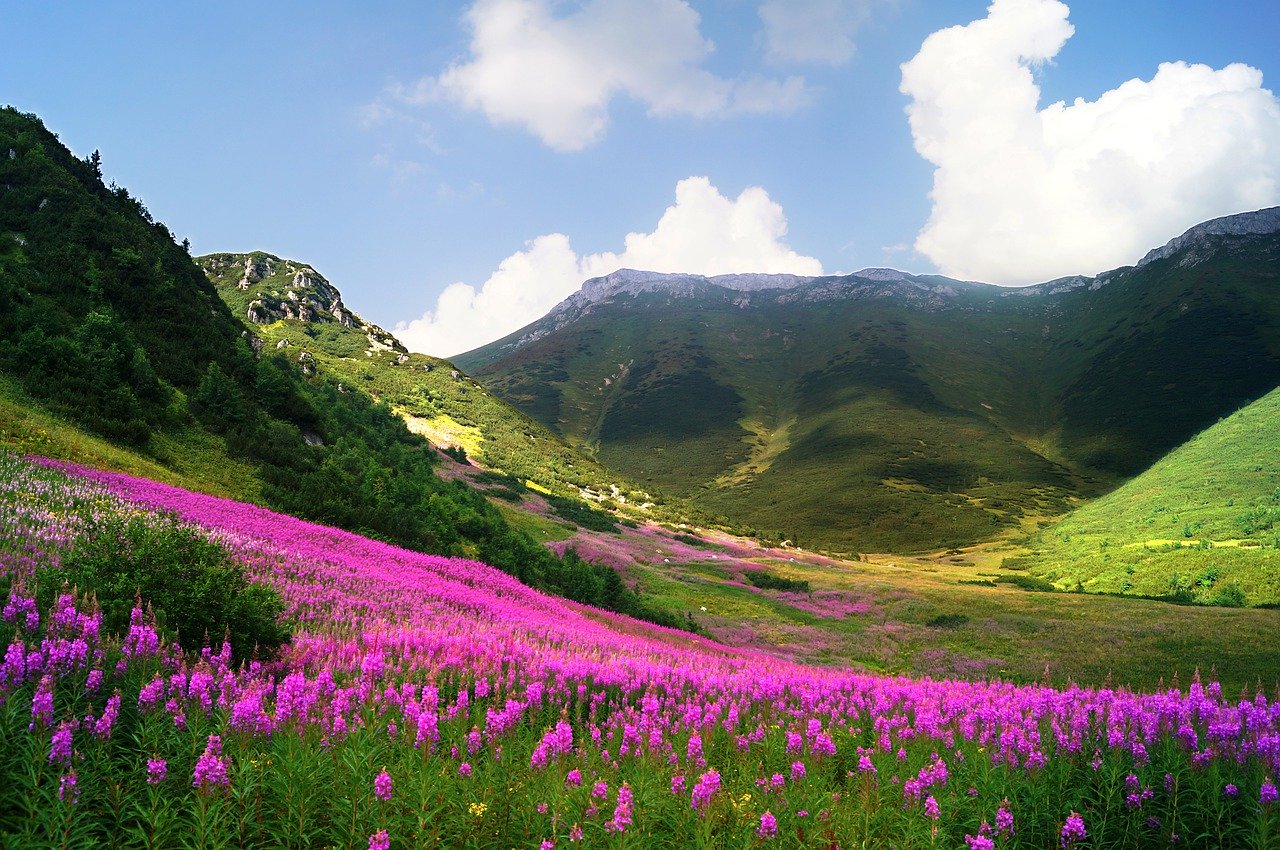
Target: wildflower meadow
(423,701)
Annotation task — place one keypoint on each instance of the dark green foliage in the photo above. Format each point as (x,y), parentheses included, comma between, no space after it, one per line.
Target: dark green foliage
(582,515)
(101,314)
(769,581)
(1025,582)
(948,621)
(197,591)
(690,540)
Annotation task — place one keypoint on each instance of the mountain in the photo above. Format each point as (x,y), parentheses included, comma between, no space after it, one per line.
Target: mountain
(1202,524)
(294,310)
(116,349)
(884,411)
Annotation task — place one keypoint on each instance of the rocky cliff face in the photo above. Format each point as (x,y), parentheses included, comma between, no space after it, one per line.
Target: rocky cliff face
(1203,237)
(273,289)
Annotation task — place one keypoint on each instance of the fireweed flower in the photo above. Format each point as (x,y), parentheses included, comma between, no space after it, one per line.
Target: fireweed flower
(677,785)
(1073,830)
(768,826)
(67,790)
(705,789)
(464,769)
(622,812)
(573,778)
(979,842)
(931,807)
(1230,790)
(797,771)
(210,770)
(157,770)
(60,746)
(1268,794)
(382,785)
(1004,819)
(379,840)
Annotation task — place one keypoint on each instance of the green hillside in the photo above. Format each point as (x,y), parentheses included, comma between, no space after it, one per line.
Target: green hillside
(294,310)
(897,413)
(115,349)
(1202,524)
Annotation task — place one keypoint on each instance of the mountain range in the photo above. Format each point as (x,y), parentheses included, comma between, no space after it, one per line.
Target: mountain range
(885,411)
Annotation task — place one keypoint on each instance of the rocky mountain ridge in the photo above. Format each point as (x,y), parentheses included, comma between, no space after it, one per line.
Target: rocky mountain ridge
(923,291)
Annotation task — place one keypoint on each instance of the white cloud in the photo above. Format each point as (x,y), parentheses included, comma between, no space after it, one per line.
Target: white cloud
(1024,194)
(556,76)
(702,233)
(818,32)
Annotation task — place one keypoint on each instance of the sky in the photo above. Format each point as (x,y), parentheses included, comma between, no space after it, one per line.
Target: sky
(456,169)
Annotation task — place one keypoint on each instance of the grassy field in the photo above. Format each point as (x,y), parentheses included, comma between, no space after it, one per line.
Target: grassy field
(949,615)
(186,457)
(1203,522)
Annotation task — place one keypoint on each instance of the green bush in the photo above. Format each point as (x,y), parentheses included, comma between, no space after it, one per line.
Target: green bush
(769,581)
(195,588)
(582,515)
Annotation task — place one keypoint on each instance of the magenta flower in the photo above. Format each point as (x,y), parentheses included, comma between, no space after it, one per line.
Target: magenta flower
(1268,794)
(931,808)
(67,790)
(677,785)
(60,746)
(768,826)
(379,840)
(211,770)
(1073,830)
(1230,791)
(464,769)
(705,789)
(797,771)
(1004,819)
(157,770)
(382,785)
(573,778)
(622,812)
(575,833)
(979,842)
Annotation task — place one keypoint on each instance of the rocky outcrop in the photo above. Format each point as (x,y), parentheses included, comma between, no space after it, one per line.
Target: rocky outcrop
(1200,240)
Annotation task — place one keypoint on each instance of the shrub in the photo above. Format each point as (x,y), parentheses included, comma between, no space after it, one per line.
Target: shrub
(195,588)
(769,581)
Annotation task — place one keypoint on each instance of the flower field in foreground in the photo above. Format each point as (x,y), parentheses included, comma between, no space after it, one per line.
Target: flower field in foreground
(426,701)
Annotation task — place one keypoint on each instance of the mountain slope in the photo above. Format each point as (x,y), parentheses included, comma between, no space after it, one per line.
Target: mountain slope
(108,324)
(887,411)
(294,310)
(1203,522)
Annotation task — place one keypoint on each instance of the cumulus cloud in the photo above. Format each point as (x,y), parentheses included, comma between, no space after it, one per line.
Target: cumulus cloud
(817,32)
(1024,194)
(703,232)
(556,76)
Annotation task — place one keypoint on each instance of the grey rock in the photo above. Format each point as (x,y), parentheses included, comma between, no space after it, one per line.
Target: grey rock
(1200,238)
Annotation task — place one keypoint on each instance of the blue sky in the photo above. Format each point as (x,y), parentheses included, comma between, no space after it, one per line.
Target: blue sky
(457,168)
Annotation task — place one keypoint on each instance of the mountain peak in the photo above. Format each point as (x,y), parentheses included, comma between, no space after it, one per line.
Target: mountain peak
(271,289)
(1256,223)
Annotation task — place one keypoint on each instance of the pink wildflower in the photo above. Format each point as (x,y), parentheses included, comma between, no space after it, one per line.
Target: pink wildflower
(379,840)
(382,785)
(768,826)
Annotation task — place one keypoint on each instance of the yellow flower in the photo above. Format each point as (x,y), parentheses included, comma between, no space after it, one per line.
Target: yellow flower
(478,809)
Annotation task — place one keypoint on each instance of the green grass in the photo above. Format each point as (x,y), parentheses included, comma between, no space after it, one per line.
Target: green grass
(185,456)
(1198,521)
